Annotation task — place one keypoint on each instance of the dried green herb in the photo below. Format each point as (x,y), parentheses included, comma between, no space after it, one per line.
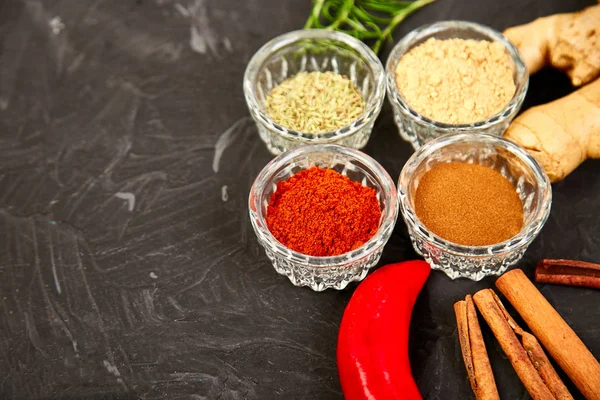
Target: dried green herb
(366,20)
(315,102)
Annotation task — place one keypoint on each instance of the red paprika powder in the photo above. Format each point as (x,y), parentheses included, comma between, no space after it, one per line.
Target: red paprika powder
(321,212)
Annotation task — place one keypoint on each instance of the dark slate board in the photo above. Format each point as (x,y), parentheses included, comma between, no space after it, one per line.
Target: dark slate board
(128,265)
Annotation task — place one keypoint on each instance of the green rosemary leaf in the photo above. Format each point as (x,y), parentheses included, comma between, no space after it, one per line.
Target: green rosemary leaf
(362,35)
(314,14)
(329,13)
(342,15)
(390,3)
(375,28)
(364,19)
(382,8)
(356,25)
(363,14)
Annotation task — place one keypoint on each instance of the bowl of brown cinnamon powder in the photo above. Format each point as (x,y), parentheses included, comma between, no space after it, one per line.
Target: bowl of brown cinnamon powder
(473,203)
(454,76)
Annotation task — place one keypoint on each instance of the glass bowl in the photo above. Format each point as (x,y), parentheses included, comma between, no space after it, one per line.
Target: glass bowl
(418,129)
(515,164)
(314,50)
(320,273)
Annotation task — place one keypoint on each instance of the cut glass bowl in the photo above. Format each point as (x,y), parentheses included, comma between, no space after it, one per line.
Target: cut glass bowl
(515,164)
(418,129)
(320,273)
(314,50)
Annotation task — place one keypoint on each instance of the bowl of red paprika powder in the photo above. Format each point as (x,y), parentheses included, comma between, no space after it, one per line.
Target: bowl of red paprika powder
(323,214)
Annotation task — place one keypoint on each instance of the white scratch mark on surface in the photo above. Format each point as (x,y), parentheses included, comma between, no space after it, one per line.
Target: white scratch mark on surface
(76,63)
(56,25)
(202,38)
(130,197)
(176,305)
(111,368)
(153,275)
(227,44)
(197,42)
(149,302)
(14,45)
(99,322)
(225,141)
(192,377)
(224,194)
(33,333)
(182,10)
(53,263)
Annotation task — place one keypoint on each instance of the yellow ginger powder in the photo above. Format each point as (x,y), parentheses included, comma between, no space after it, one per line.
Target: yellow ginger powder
(456,81)
(315,102)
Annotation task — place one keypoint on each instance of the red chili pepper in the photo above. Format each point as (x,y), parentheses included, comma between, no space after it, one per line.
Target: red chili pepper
(372,350)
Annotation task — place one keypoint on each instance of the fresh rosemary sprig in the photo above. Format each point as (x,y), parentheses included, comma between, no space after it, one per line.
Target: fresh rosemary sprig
(366,20)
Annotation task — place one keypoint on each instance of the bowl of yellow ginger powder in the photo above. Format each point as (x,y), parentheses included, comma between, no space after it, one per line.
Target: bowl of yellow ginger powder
(452,77)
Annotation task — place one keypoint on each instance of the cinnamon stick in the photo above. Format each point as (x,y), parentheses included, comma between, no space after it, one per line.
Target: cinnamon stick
(568,272)
(554,333)
(537,356)
(495,318)
(544,367)
(474,353)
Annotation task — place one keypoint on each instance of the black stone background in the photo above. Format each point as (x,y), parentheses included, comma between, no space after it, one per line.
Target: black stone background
(174,298)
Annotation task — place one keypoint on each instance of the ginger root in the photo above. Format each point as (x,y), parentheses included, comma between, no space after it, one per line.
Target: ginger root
(568,42)
(561,134)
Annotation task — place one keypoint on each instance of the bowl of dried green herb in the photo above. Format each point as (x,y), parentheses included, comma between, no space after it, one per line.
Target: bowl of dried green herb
(314,86)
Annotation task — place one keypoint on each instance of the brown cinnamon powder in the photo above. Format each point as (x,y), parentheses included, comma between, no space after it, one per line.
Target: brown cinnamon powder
(468,204)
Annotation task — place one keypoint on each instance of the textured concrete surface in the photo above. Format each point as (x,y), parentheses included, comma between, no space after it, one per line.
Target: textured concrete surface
(128,267)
